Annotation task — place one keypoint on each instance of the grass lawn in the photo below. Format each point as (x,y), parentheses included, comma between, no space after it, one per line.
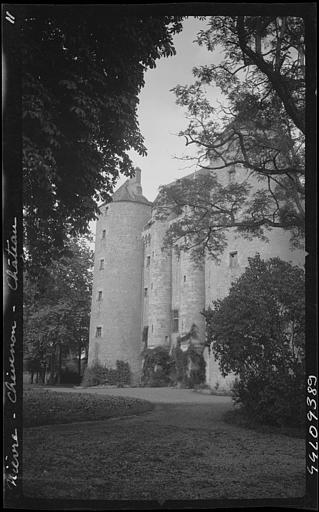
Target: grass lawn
(175,452)
(43,407)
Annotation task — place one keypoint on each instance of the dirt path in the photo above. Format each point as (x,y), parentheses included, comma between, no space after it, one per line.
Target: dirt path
(180,450)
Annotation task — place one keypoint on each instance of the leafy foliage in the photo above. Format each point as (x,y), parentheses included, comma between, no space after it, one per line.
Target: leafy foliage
(163,366)
(82,73)
(258,333)
(97,374)
(200,210)
(259,129)
(158,367)
(57,310)
(190,364)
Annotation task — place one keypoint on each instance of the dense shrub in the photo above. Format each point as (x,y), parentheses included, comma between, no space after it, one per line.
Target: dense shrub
(277,399)
(258,333)
(165,367)
(190,366)
(98,374)
(158,367)
(69,376)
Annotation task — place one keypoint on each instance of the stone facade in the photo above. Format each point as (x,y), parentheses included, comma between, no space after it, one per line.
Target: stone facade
(142,291)
(115,327)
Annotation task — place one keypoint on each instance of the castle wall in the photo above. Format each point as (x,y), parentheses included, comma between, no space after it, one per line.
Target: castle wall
(160,287)
(118,311)
(146,236)
(192,302)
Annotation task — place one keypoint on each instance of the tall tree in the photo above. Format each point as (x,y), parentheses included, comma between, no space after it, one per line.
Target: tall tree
(83,69)
(257,332)
(259,131)
(57,309)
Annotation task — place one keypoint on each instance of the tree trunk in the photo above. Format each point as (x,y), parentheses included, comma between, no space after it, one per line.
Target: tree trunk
(59,363)
(79,359)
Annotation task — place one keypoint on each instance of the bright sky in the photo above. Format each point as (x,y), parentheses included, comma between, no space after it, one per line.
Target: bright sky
(160,118)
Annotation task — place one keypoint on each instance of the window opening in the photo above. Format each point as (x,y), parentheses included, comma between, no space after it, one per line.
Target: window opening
(175,318)
(233,259)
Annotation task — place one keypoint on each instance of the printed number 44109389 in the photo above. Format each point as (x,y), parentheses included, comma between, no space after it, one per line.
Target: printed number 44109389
(313,431)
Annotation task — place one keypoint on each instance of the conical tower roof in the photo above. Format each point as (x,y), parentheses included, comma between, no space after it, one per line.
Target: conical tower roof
(131,190)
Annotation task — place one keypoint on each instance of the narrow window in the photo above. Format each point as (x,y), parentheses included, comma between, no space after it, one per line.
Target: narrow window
(231,175)
(184,279)
(175,320)
(233,259)
(151,286)
(145,292)
(145,334)
(99,296)
(102,264)
(148,261)
(98,333)
(103,234)
(152,328)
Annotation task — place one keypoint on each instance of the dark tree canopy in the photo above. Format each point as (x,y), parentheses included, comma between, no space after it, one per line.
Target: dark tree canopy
(82,73)
(259,129)
(57,305)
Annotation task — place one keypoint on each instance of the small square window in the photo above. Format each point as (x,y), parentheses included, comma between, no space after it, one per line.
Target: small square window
(99,295)
(98,333)
(102,264)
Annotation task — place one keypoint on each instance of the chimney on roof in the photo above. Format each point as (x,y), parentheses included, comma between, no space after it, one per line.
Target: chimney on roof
(137,177)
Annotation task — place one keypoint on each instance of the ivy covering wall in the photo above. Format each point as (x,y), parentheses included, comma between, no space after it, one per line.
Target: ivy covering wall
(185,367)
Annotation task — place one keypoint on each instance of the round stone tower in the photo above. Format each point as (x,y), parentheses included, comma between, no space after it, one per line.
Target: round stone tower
(116,313)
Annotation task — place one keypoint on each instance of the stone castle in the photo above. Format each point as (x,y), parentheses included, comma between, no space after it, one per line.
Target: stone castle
(146,295)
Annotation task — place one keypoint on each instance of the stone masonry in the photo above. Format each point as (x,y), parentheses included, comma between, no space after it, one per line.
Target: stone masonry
(144,291)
